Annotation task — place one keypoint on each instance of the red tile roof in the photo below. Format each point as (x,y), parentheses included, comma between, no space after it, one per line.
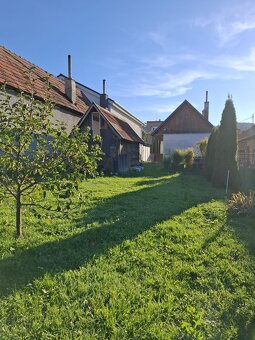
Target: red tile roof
(16,71)
(122,128)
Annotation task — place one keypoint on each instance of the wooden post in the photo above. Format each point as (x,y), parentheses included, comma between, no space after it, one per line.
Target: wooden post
(227,183)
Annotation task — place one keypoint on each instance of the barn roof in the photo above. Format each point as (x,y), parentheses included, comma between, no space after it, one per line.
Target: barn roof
(197,116)
(120,127)
(20,74)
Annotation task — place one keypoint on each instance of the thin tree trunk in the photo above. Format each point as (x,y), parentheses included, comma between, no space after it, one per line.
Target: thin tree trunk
(18,215)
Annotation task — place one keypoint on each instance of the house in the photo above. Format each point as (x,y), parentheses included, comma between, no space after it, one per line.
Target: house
(19,74)
(120,143)
(121,132)
(150,127)
(182,129)
(111,105)
(246,148)
(77,105)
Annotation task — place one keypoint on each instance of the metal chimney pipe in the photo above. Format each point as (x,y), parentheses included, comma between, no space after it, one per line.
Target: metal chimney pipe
(69,66)
(104,86)
(206,96)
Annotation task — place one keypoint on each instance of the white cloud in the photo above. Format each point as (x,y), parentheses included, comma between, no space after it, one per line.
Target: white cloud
(170,85)
(162,108)
(229,31)
(240,63)
(230,23)
(159,37)
(167,60)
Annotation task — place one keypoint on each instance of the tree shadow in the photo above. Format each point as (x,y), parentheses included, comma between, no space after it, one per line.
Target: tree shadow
(244,228)
(108,223)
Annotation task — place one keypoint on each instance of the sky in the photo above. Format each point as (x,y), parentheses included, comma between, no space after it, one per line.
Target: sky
(153,54)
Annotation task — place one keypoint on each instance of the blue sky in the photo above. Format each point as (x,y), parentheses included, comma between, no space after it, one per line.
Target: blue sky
(153,54)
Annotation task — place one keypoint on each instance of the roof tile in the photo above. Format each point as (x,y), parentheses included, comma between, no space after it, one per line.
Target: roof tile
(15,72)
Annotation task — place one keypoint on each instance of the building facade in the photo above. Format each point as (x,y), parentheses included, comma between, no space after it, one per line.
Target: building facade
(184,128)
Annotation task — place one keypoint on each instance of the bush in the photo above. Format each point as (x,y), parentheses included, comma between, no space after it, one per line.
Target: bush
(202,144)
(241,204)
(178,157)
(189,157)
(181,157)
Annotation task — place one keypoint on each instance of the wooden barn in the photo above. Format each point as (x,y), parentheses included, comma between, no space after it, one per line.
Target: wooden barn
(182,129)
(120,143)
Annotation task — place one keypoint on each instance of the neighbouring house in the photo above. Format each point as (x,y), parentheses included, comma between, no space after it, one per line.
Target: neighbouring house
(182,129)
(150,127)
(131,150)
(120,143)
(246,148)
(73,105)
(119,112)
(111,105)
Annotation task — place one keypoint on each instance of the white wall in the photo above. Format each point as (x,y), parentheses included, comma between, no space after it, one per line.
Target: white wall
(182,141)
(145,153)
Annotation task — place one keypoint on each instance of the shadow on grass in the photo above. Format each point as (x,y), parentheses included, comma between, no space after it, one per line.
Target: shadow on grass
(109,223)
(244,227)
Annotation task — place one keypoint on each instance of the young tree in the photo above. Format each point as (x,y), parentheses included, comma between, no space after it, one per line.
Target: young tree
(36,151)
(226,148)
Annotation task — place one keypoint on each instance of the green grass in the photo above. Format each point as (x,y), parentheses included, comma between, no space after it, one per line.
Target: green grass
(152,256)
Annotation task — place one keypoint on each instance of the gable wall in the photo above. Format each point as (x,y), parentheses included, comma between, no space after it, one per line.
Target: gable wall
(185,120)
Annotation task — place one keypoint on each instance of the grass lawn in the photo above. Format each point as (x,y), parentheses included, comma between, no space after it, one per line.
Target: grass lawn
(153,256)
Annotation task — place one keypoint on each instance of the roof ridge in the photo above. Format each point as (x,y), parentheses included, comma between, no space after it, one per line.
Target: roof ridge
(176,110)
(18,57)
(18,69)
(21,60)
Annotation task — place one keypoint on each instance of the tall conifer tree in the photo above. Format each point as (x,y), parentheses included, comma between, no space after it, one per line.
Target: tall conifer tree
(211,153)
(225,156)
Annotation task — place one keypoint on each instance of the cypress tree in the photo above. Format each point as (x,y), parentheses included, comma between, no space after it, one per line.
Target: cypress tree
(226,147)
(210,153)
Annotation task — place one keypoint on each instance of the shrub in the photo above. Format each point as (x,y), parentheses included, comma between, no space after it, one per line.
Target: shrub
(181,157)
(241,204)
(189,157)
(202,144)
(178,157)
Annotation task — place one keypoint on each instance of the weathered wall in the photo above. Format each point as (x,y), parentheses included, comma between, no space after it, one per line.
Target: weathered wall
(69,118)
(62,114)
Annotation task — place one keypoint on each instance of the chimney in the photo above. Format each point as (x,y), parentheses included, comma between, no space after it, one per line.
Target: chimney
(205,111)
(104,97)
(70,85)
